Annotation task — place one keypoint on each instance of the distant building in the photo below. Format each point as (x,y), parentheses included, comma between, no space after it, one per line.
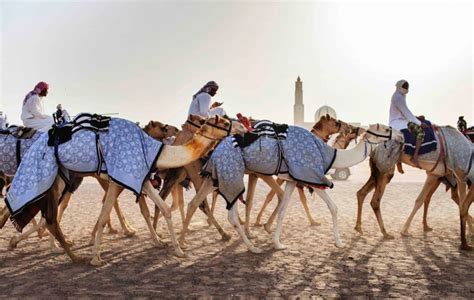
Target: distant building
(298,109)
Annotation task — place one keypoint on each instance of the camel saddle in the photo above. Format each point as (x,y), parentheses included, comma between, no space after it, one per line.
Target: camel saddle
(19,132)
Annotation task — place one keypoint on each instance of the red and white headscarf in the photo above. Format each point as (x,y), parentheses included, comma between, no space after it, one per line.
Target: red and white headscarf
(41,86)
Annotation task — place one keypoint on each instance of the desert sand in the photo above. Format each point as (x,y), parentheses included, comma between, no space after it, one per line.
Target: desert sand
(424,265)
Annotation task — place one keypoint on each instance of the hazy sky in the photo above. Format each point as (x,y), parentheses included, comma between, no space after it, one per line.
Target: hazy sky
(145,60)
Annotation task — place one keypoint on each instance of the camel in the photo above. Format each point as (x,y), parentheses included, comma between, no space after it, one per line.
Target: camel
(383,169)
(341,142)
(156,130)
(344,158)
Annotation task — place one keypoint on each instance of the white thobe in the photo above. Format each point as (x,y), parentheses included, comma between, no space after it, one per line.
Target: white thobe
(32,114)
(400,115)
(200,106)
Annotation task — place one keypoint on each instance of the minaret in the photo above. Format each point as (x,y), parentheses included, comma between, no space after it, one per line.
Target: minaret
(298,108)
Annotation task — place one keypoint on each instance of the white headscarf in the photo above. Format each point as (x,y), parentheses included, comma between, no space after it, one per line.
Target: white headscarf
(399,87)
(206,88)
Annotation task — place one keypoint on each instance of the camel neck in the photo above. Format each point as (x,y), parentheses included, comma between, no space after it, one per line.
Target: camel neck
(351,157)
(178,156)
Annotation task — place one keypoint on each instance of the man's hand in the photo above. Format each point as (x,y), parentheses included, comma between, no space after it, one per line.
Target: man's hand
(216,104)
(424,126)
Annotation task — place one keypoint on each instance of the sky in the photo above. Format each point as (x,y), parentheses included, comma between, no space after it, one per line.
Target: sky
(145,59)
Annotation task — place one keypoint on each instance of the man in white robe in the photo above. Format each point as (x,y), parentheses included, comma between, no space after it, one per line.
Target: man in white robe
(201,103)
(32,113)
(402,118)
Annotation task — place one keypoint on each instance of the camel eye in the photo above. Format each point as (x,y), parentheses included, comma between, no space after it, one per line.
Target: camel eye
(227,123)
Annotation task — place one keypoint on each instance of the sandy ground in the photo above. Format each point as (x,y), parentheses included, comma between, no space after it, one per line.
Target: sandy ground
(425,265)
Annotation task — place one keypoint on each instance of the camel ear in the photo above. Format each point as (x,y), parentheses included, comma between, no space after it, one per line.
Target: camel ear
(217,118)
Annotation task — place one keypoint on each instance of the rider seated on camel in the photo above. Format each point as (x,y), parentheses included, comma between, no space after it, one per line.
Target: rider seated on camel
(32,113)
(201,103)
(402,118)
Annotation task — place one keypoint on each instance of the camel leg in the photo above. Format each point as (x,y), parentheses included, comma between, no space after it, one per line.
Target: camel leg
(24,235)
(249,202)
(333,209)
(431,183)
(233,217)
(128,230)
(361,195)
(52,223)
(268,199)
(276,187)
(289,188)
(214,201)
(375,203)
(215,194)
(110,197)
(165,210)
(146,215)
(180,201)
(455,198)
(304,202)
(205,189)
(210,218)
(174,196)
(426,203)
(464,204)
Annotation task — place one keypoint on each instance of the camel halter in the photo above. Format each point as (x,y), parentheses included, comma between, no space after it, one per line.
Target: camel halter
(226,130)
(192,124)
(389,136)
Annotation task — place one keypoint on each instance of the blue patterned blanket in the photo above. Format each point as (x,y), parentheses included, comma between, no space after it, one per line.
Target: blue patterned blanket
(125,152)
(302,156)
(429,143)
(8,151)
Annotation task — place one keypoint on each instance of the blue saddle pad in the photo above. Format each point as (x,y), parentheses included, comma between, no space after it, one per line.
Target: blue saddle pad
(429,142)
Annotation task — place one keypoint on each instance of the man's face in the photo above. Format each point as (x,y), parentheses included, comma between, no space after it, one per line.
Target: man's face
(213,91)
(405,85)
(44,93)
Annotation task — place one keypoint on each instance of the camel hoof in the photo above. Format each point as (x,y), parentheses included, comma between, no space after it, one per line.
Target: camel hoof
(339,244)
(267,228)
(466,247)
(314,223)
(179,253)
(388,236)
(209,223)
(159,244)
(358,228)
(427,229)
(279,246)
(226,237)
(111,230)
(69,242)
(405,233)
(56,249)
(256,250)
(129,232)
(97,261)
(257,224)
(13,243)
(41,233)
(182,244)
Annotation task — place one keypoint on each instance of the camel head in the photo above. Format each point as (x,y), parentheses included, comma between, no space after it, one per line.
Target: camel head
(159,130)
(216,128)
(343,139)
(378,133)
(327,126)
